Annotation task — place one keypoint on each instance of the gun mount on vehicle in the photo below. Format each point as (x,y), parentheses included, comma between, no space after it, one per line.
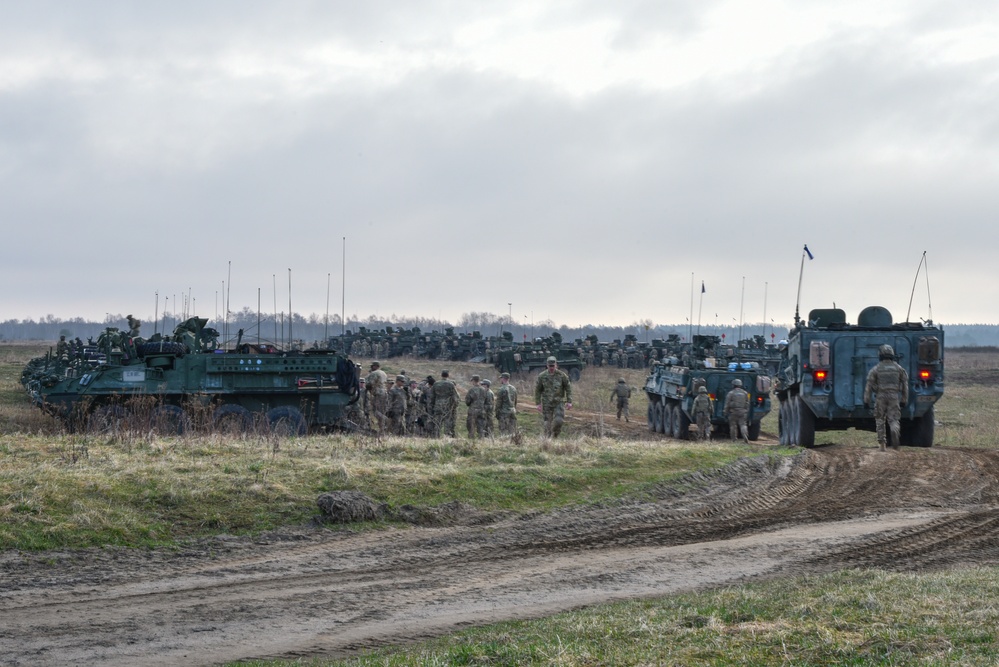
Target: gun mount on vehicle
(289,391)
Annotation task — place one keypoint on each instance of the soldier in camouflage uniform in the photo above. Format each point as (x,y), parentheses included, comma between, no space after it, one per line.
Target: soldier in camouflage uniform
(444,405)
(378,396)
(552,396)
(737,409)
(701,410)
(889,383)
(489,404)
(506,406)
(62,349)
(621,392)
(475,399)
(396,411)
(414,409)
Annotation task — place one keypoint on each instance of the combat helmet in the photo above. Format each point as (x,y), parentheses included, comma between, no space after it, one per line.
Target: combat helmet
(886,352)
(737,382)
(703,390)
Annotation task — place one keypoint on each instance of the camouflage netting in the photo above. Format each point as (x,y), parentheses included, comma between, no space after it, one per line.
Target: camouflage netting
(350,506)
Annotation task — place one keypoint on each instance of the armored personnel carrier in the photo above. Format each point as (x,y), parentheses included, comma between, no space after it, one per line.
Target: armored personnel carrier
(175,375)
(672,385)
(533,357)
(823,371)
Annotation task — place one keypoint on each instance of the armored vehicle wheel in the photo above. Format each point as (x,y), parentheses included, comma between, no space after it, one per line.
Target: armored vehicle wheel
(169,420)
(651,416)
(681,424)
(287,421)
(918,432)
(668,419)
(232,419)
(804,421)
(106,419)
(657,417)
(574,374)
(754,431)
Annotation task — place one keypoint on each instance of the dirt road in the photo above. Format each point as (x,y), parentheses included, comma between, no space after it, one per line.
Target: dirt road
(315,592)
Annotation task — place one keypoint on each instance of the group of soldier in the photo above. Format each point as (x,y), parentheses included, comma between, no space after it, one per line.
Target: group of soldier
(430,407)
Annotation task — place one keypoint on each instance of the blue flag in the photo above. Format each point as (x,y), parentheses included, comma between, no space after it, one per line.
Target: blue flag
(808,252)
(702,287)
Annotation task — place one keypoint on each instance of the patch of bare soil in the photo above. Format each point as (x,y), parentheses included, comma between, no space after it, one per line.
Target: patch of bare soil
(316,592)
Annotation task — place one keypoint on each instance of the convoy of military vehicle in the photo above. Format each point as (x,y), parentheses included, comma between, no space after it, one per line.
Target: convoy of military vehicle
(817,375)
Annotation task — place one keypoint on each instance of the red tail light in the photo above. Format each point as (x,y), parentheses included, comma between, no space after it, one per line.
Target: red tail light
(820,376)
(925,375)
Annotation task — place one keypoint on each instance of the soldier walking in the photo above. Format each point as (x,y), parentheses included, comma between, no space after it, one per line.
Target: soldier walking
(889,383)
(621,392)
(506,406)
(701,410)
(736,409)
(552,396)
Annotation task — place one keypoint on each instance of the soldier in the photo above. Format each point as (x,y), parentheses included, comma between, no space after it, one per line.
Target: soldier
(355,412)
(487,408)
(506,406)
(62,349)
(378,395)
(414,409)
(444,405)
(622,392)
(552,396)
(736,409)
(701,410)
(428,426)
(890,384)
(396,411)
(133,327)
(475,399)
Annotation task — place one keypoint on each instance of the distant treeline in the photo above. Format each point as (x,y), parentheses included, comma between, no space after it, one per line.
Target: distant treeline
(315,328)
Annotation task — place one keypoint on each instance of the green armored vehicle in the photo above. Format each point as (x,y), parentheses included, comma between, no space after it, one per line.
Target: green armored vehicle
(824,366)
(175,377)
(532,357)
(672,385)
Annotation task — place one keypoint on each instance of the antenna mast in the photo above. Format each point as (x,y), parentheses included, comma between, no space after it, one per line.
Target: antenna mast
(929,302)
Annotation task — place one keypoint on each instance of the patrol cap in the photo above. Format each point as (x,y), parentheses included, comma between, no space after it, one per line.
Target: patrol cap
(375,364)
(400,378)
(551,360)
(444,374)
(505,375)
(487,383)
(475,378)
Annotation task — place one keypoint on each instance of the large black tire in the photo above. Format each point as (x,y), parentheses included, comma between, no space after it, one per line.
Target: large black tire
(657,418)
(106,419)
(918,432)
(667,419)
(783,432)
(574,374)
(170,420)
(163,348)
(651,416)
(805,422)
(754,431)
(287,420)
(231,418)
(681,424)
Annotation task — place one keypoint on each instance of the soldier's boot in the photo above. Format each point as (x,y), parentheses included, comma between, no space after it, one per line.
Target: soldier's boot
(745,433)
(881,445)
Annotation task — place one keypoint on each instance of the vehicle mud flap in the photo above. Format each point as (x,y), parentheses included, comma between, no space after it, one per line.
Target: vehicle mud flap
(918,432)
(754,431)
(287,420)
(804,420)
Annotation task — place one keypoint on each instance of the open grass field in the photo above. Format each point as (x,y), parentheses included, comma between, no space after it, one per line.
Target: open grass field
(62,491)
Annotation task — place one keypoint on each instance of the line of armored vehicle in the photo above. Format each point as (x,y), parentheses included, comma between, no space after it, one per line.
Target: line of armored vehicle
(817,375)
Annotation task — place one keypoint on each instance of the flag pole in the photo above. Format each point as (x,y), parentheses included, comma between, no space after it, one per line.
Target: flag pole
(700,307)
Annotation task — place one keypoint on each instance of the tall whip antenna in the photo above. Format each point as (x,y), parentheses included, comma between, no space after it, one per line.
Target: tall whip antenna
(801,273)
(922,265)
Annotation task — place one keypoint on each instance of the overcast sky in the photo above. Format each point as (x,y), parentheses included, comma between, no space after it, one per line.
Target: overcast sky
(583,161)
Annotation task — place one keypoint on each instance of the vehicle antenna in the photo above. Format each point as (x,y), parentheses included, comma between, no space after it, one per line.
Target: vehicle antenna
(291,316)
(801,273)
(922,264)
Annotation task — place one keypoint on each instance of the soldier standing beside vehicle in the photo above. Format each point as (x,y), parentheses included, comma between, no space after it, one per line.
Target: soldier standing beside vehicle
(701,411)
(378,395)
(397,406)
(444,405)
(621,392)
(552,396)
(488,405)
(62,349)
(475,399)
(890,384)
(506,406)
(737,409)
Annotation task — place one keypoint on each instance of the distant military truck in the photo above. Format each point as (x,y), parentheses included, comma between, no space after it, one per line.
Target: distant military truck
(823,371)
(672,387)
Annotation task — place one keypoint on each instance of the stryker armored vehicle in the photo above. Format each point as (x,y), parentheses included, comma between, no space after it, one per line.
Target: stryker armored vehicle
(172,378)
(671,387)
(823,372)
(533,357)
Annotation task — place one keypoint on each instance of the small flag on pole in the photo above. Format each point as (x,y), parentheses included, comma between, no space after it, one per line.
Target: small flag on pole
(702,287)
(808,252)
